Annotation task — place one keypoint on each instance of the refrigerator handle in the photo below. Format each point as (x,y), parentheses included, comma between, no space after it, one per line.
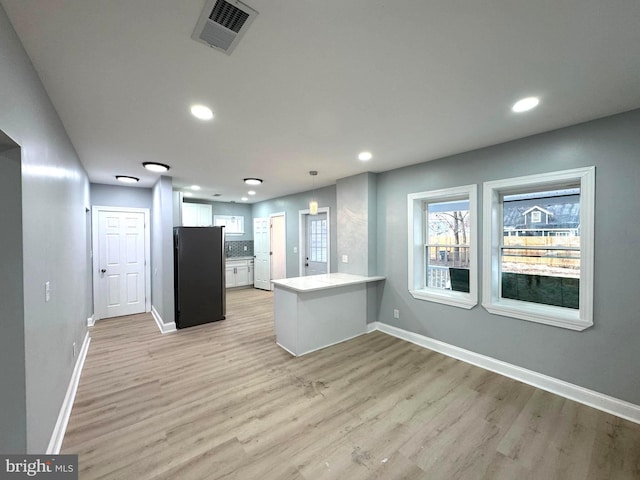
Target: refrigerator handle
(176,266)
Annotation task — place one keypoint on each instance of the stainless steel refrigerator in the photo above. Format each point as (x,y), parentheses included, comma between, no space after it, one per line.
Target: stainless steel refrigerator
(199,270)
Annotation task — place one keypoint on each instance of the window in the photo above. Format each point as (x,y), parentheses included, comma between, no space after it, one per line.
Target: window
(442,237)
(318,241)
(540,271)
(536,216)
(233,225)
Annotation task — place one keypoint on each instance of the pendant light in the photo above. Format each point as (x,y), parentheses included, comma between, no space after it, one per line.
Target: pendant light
(313,204)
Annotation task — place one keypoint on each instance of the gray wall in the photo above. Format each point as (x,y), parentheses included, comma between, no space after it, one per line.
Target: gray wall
(603,358)
(234,209)
(118,196)
(13,401)
(291,205)
(162,298)
(55,193)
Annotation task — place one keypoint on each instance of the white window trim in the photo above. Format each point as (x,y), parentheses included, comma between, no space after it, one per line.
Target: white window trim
(416,242)
(492,230)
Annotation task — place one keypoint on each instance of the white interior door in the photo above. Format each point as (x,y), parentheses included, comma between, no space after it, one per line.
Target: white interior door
(317,244)
(120,260)
(262,253)
(278,247)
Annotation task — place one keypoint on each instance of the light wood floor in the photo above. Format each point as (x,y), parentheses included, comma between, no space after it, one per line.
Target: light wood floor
(222,401)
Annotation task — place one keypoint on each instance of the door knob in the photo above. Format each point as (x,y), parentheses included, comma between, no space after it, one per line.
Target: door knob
(103,271)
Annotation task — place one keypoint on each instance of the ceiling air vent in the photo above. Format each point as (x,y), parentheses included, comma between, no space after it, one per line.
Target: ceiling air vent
(222,24)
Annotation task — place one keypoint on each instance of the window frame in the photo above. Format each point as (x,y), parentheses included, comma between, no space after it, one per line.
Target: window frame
(492,301)
(417,225)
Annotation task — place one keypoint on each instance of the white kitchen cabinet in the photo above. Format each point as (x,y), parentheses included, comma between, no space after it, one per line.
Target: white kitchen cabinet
(239,273)
(196,215)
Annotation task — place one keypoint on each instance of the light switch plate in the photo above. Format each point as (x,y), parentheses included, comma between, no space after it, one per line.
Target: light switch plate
(47,291)
(345,258)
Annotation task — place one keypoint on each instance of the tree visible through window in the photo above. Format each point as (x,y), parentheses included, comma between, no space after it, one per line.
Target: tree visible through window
(447,244)
(442,234)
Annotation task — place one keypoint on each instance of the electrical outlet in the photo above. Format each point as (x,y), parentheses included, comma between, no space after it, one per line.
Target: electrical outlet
(245,248)
(345,258)
(396,313)
(295,249)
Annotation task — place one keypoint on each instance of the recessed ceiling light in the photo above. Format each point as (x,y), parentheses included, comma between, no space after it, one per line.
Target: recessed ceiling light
(364,156)
(188,194)
(253,181)
(244,199)
(201,112)
(127,179)
(156,167)
(195,187)
(251,192)
(525,104)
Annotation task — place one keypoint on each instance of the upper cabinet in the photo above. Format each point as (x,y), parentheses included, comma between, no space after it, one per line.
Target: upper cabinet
(196,215)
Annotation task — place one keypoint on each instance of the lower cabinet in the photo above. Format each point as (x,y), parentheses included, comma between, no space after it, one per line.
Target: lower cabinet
(239,273)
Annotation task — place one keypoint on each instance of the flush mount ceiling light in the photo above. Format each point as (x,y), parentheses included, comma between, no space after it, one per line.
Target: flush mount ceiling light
(195,187)
(201,112)
(127,179)
(251,192)
(364,156)
(253,181)
(525,104)
(156,167)
(244,199)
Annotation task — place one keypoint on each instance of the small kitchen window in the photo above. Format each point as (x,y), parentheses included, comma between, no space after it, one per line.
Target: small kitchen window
(234,224)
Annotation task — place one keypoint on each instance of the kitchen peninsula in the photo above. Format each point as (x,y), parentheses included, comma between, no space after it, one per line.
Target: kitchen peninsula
(317,311)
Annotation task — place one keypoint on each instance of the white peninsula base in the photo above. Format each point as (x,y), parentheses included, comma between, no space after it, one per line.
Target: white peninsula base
(314,312)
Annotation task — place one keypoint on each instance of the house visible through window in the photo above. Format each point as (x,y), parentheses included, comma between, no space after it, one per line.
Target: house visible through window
(538,247)
(540,263)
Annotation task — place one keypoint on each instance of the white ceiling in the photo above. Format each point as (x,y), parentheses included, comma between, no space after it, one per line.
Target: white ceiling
(312,83)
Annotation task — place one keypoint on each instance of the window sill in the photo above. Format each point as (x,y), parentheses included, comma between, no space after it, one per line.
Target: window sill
(446,297)
(546,314)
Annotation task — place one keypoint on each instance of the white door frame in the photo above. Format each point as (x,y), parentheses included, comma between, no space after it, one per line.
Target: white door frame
(302,239)
(95,211)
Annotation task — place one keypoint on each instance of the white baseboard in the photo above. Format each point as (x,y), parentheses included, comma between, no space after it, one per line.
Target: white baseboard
(606,403)
(164,327)
(91,321)
(65,411)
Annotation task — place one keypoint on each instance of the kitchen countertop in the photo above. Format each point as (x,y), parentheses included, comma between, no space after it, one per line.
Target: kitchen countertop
(239,258)
(323,281)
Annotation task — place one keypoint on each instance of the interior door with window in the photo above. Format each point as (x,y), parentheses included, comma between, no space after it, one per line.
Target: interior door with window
(120,281)
(316,245)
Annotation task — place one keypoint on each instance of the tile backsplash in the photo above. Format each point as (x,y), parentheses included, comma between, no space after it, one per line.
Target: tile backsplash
(236,248)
